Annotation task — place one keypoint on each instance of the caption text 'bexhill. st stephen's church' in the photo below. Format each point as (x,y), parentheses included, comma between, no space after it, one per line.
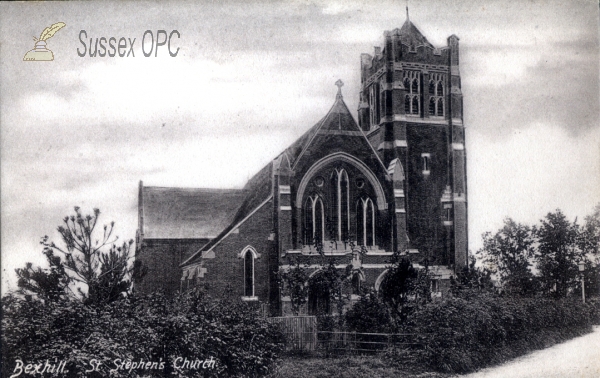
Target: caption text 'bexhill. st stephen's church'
(394,181)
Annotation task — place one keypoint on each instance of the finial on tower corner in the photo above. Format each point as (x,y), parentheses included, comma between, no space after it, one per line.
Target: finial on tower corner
(339,84)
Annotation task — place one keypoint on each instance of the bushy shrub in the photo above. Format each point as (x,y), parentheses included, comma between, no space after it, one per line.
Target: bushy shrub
(369,314)
(458,335)
(149,329)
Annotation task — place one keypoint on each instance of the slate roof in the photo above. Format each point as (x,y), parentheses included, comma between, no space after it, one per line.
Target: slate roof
(182,213)
(338,117)
(259,187)
(410,35)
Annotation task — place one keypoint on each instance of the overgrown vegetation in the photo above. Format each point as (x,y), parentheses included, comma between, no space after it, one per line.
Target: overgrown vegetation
(82,309)
(459,335)
(152,328)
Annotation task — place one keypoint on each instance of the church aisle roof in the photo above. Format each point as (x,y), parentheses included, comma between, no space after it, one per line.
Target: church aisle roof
(185,213)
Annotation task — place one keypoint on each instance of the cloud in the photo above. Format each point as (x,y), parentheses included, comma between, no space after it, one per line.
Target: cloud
(529,173)
(252,77)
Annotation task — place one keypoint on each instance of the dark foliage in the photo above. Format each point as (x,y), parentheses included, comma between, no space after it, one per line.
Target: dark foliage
(471,281)
(558,254)
(458,335)
(369,314)
(404,288)
(509,255)
(151,328)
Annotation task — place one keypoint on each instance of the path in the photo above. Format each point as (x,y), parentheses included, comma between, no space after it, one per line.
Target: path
(577,358)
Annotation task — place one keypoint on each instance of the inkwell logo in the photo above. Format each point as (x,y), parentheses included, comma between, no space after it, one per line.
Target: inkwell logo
(41,52)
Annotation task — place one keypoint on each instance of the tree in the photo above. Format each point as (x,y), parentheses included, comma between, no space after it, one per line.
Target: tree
(472,281)
(589,243)
(509,254)
(405,288)
(558,254)
(81,268)
(293,284)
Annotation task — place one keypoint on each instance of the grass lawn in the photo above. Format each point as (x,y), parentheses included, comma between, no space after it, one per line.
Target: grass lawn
(345,367)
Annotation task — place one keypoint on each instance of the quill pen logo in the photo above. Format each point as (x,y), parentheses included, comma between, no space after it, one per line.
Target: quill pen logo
(41,52)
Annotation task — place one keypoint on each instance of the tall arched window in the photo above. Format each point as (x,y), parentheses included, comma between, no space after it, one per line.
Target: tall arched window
(407,85)
(407,104)
(415,86)
(314,218)
(440,88)
(432,106)
(415,105)
(319,223)
(341,211)
(309,221)
(440,107)
(365,222)
(248,274)
(344,224)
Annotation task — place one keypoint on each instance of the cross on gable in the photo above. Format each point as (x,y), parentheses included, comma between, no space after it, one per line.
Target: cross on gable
(339,84)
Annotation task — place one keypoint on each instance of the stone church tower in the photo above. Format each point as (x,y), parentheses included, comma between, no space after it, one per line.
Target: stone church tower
(412,113)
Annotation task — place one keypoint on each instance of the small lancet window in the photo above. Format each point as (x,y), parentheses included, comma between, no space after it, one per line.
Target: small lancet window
(249,274)
(407,104)
(426,157)
(407,85)
(440,88)
(431,87)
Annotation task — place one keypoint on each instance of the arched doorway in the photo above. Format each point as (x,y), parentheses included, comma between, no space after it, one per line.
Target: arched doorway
(319,295)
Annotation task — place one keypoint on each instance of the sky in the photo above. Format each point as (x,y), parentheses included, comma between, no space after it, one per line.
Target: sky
(251,77)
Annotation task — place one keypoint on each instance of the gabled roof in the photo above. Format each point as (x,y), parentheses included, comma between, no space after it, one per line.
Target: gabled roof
(337,119)
(411,36)
(257,192)
(259,188)
(182,213)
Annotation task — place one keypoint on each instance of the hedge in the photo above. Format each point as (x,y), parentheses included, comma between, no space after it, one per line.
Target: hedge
(458,335)
(149,329)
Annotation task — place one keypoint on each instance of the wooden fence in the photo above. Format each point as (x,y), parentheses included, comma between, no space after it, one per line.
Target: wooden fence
(300,331)
(301,334)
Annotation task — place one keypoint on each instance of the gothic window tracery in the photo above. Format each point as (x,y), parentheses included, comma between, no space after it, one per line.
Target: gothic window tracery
(436,92)
(365,222)
(314,218)
(440,88)
(432,106)
(329,212)
(415,105)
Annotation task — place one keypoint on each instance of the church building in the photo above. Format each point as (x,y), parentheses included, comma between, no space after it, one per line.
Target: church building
(395,181)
